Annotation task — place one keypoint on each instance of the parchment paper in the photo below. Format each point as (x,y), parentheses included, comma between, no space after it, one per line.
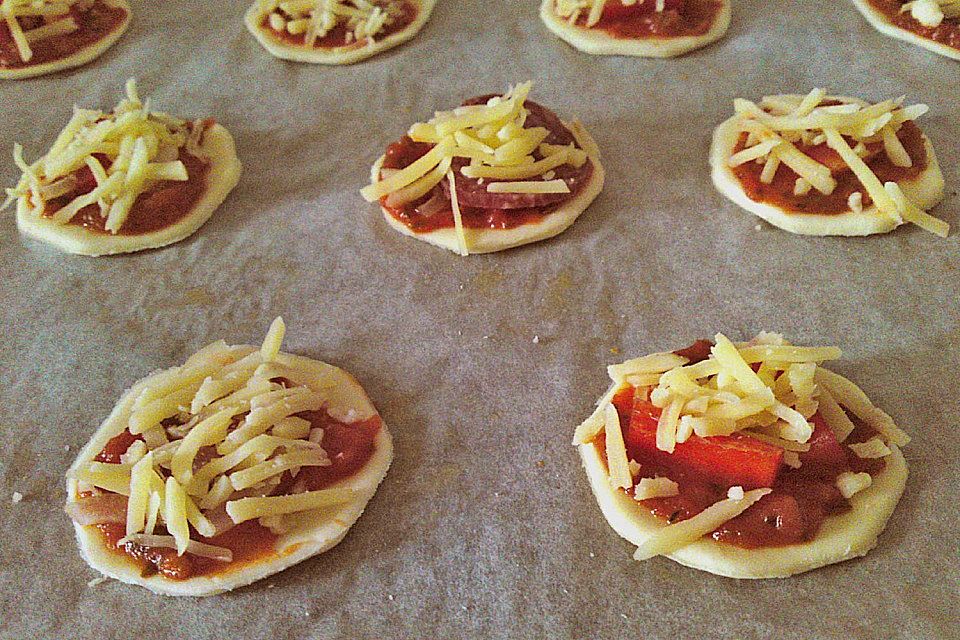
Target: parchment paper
(485,526)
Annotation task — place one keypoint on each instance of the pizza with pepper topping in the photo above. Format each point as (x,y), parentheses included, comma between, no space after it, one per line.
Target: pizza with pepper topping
(745,460)
(827,165)
(125,180)
(230,468)
(44,36)
(647,28)
(497,172)
(335,31)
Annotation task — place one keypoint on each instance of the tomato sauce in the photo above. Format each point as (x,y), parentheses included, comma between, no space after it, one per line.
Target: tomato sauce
(94,24)
(946,33)
(791,514)
(341,35)
(165,203)
(349,447)
(780,192)
(679,18)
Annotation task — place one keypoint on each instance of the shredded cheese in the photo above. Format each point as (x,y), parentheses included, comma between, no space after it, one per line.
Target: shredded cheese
(571,10)
(723,394)
(850,483)
(537,186)
(617,461)
(678,535)
(781,127)
(138,144)
(501,149)
(274,338)
(872,448)
(462,248)
(649,488)
(250,508)
(54,13)
(315,19)
(851,397)
(931,13)
(239,440)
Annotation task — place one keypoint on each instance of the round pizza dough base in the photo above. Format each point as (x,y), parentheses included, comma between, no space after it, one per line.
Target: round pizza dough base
(597,42)
(842,537)
(78,59)
(925,190)
(490,240)
(340,55)
(316,532)
(222,176)
(884,26)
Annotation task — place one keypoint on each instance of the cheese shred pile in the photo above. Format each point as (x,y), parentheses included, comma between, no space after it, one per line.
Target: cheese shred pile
(496,142)
(573,9)
(767,389)
(127,151)
(54,14)
(777,125)
(314,19)
(234,434)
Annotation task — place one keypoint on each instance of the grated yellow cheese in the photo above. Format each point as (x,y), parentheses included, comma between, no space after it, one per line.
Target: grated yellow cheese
(872,448)
(55,14)
(850,483)
(617,461)
(134,139)
(462,248)
(250,508)
(498,145)
(778,122)
(571,10)
(314,19)
(678,535)
(723,394)
(158,474)
(649,488)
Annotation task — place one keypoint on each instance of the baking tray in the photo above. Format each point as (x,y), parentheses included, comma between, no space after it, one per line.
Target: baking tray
(485,526)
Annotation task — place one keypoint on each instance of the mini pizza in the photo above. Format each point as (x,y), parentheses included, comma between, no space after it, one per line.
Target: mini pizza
(745,460)
(230,468)
(931,24)
(43,36)
(124,181)
(647,28)
(497,172)
(335,31)
(829,166)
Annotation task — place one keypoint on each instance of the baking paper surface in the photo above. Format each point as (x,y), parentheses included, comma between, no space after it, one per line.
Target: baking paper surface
(482,366)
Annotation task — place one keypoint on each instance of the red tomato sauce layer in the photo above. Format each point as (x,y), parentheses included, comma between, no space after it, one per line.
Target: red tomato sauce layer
(164,204)
(678,18)
(349,447)
(946,33)
(341,36)
(93,24)
(792,513)
(780,192)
